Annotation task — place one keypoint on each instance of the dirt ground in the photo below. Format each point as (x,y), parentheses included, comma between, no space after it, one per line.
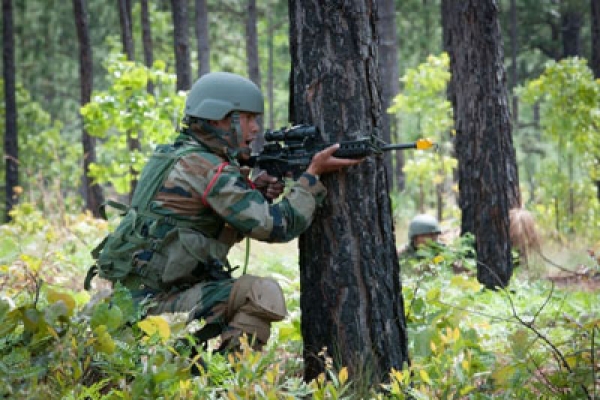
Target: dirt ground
(583,278)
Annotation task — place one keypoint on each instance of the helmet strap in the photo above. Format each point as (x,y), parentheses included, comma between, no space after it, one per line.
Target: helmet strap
(238,136)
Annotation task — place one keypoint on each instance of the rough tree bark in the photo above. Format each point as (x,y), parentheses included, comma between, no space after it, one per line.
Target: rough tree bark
(202,37)
(11,143)
(388,68)
(92,191)
(488,175)
(351,297)
(181,43)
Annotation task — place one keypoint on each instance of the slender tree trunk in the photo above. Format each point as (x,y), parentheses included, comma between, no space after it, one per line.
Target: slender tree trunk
(425,50)
(351,294)
(252,60)
(488,173)
(202,37)
(571,21)
(133,141)
(388,67)
(447,36)
(595,17)
(252,43)
(179,10)
(147,40)
(126,29)
(270,78)
(514,68)
(11,142)
(93,192)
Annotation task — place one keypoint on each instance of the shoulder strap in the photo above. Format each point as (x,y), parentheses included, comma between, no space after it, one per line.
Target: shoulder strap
(114,204)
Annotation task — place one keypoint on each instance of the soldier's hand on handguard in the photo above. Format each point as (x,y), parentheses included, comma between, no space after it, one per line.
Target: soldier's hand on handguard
(324,161)
(268,185)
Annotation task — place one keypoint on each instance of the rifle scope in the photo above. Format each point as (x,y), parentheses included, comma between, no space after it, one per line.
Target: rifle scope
(296,133)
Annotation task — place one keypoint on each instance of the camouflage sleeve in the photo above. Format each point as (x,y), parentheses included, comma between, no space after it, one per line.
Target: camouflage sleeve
(232,196)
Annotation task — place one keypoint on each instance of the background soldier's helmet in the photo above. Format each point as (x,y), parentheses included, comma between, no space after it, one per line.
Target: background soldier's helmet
(216,94)
(423,224)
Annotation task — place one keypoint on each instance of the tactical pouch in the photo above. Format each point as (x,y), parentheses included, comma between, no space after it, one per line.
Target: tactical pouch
(183,256)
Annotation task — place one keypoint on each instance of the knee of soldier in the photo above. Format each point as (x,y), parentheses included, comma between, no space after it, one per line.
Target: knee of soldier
(261,297)
(254,303)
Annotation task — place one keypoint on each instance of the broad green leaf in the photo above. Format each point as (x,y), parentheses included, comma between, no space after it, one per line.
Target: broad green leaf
(107,315)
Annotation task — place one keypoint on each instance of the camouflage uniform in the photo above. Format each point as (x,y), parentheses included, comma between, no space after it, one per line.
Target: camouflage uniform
(209,187)
(193,202)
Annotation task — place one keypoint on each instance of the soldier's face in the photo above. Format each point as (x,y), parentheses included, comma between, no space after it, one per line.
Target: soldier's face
(250,128)
(420,240)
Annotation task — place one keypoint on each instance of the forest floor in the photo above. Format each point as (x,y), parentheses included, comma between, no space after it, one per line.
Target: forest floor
(584,278)
(575,274)
(582,273)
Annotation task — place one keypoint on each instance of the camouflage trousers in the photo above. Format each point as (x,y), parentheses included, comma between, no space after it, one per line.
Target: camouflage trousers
(203,300)
(231,307)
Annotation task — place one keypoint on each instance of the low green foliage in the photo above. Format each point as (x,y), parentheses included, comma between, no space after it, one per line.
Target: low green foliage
(531,341)
(48,156)
(425,112)
(127,111)
(526,342)
(568,96)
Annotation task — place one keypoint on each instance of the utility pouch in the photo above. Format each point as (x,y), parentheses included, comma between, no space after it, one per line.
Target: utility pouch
(184,256)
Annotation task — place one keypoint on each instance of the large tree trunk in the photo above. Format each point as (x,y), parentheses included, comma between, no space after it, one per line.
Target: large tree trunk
(388,68)
(93,192)
(202,37)
(488,176)
(147,40)
(181,43)
(351,294)
(11,143)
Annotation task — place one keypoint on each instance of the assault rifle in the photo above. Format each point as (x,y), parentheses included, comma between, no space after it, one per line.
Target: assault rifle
(290,150)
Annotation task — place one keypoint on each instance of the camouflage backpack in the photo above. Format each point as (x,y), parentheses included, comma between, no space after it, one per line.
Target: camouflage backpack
(145,230)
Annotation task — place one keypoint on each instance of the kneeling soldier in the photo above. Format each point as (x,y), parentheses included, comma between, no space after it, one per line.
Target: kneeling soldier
(194,201)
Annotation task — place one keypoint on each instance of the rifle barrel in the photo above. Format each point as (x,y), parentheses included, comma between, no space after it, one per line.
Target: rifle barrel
(399,146)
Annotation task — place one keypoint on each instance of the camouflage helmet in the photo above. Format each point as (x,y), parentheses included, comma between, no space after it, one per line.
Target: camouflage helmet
(423,224)
(216,94)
